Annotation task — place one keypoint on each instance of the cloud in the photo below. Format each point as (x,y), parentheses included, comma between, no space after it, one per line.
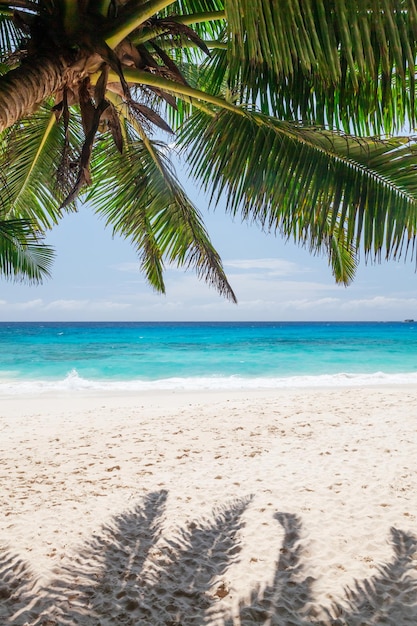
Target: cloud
(270,287)
(29,305)
(61,309)
(85,305)
(267,288)
(383,302)
(313,303)
(275,267)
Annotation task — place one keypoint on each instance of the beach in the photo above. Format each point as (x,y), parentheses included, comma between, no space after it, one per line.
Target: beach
(288,506)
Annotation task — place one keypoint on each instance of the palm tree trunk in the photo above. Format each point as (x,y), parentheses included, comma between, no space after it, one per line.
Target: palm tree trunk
(23,89)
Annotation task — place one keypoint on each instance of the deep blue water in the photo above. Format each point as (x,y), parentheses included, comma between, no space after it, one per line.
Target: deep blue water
(204,355)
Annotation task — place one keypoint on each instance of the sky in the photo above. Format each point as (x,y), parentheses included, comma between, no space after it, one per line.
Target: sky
(96,278)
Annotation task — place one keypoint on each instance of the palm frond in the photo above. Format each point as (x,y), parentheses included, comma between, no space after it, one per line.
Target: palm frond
(23,256)
(10,36)
(307,182)
(343,258)
(321,36)
(214,72)
(124,208)
(305,65)
(207,19)
(138,194)
(30,152)
(328,59)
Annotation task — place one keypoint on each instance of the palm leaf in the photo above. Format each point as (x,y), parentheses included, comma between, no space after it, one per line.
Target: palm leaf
(318,35)
(124,208)
(23,256)
(328,61)
(10,36)
(138,195)
(309,63)
(307,182)
(29,153)
(205,28)
(343,261)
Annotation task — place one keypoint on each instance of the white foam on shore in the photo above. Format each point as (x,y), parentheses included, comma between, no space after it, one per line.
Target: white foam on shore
(74,382)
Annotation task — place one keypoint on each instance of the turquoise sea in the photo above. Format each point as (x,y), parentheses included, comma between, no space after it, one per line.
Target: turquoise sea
(139,356)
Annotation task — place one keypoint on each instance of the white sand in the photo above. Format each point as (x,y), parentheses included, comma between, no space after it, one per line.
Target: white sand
(282,507)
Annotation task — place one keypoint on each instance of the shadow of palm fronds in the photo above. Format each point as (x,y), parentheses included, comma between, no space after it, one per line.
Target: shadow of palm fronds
(130,574)
(390,597)
(105,575)
(288,599)
(17,584)
(196,558)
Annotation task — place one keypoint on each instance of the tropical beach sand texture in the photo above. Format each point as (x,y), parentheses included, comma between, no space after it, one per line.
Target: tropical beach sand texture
(283,507)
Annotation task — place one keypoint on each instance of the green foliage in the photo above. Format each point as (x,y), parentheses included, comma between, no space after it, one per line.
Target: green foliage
(23,256)
(139,197)
(300,181)
(37,162)
(273,103)
(349,64)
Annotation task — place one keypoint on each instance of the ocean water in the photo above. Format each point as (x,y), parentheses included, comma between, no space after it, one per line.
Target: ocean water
(140,356)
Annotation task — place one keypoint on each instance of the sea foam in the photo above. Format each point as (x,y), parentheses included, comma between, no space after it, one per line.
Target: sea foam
(75,383)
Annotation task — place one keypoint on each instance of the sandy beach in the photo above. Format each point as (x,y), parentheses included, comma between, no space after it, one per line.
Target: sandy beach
(284,507)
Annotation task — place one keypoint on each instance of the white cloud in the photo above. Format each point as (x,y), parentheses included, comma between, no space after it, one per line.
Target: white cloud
(29,305)
(267,288)
(267,266)
(275,267)
(383,302)
(308,304)
(62,309)
(66,305)
(85,305)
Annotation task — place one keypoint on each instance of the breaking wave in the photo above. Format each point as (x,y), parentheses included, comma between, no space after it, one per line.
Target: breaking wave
(75,383)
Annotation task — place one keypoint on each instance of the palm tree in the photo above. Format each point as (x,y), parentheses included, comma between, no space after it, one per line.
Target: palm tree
(289,110)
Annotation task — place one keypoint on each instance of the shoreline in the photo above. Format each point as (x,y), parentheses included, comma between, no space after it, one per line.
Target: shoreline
(320,474)
(174,399)
(74,384)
